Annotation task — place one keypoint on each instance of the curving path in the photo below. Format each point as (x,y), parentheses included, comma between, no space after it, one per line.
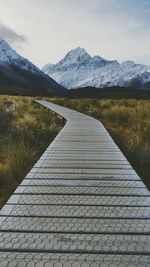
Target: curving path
(82,204)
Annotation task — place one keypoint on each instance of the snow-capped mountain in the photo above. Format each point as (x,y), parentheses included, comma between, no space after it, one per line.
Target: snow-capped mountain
(19,75)
(79,69)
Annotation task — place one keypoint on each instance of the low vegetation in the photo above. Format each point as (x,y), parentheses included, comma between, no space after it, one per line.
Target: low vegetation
(26,129)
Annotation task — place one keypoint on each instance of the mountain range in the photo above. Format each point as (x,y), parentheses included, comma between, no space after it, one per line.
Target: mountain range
(78,69)
(19,76)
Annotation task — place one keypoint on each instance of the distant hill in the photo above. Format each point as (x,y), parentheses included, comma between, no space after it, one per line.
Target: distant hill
(18,76)
(78,69)
(112,92)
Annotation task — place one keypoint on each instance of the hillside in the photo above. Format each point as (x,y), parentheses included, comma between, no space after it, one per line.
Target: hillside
(111,92)
(18,76)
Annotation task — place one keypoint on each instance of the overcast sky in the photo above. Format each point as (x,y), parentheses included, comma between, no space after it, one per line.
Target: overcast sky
(44,30)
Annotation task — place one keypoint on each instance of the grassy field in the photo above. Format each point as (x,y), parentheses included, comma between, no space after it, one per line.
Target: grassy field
(27,128)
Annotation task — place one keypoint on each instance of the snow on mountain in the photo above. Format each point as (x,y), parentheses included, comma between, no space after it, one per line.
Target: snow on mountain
(15,68)
(79,69)
(10,56)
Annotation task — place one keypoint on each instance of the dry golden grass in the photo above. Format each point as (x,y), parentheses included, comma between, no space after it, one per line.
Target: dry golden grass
(26,130)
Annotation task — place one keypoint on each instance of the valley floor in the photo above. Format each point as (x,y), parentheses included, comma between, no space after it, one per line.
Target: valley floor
(26,129)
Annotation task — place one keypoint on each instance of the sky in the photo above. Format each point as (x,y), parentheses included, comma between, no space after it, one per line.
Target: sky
(45,30)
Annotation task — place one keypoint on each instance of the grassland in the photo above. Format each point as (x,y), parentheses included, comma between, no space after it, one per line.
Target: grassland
(27,128)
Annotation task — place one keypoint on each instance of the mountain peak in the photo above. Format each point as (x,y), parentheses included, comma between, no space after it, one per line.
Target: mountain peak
(79,69)
(77,51)
(76,55)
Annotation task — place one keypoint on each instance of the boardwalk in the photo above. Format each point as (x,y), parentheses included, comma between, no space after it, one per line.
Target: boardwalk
(82,204)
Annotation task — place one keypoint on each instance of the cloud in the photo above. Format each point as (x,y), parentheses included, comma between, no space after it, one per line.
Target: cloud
(11,36)
(114,29)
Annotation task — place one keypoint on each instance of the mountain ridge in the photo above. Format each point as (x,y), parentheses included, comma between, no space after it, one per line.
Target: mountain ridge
(19,76)
(78,69)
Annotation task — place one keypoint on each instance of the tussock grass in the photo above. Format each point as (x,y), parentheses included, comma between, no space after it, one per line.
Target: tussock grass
(27,129)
